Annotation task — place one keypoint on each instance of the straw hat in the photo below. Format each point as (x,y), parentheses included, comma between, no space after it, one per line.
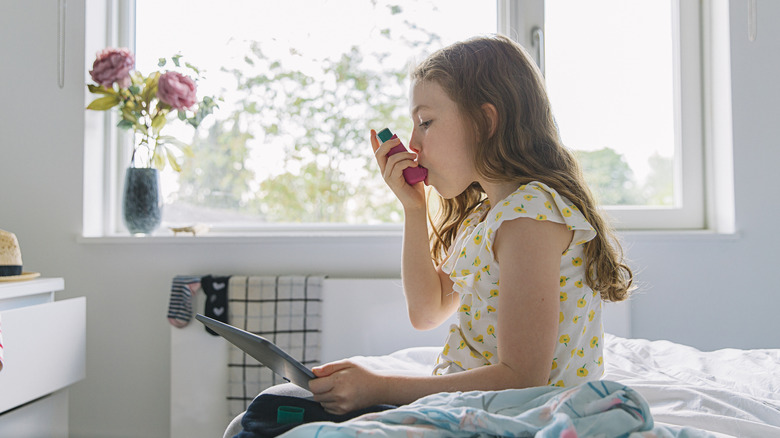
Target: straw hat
(11,259)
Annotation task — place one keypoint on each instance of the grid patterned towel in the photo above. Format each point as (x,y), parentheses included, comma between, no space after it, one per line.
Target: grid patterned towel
(285,310)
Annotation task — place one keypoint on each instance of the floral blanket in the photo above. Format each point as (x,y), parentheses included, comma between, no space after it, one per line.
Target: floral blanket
(595,409)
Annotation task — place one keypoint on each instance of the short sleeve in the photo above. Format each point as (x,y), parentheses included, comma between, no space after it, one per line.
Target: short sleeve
(540,202)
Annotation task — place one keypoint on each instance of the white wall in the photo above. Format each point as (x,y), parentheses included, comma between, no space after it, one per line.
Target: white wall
(714,292)
(706,291)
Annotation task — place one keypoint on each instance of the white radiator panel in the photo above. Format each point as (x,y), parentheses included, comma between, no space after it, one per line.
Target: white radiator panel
(368,317)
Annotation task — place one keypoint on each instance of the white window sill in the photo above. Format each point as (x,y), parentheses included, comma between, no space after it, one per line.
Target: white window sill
(358,235)
(289,234)
(678,235)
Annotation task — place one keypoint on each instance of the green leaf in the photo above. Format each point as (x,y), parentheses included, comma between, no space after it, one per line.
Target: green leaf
(192,67)
(172,160)
(99,89)
(150,86)
(167,139)
(104,103)
(161,62)
(134,89)
(127,114)
(175,59)
(158,161)
(125,124)
(182,115)
(137,77)
(158,122)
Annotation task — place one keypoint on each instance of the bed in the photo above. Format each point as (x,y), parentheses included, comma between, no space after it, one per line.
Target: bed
(670,389)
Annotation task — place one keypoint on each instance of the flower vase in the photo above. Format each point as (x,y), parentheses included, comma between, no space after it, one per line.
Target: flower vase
(142,201)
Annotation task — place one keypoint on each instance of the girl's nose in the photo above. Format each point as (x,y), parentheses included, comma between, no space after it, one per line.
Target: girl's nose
(413,145)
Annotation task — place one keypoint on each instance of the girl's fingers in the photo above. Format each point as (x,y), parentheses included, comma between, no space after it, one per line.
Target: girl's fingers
(374,141)
(391,168)
(322,387)
(385,147)
(380,153)
(330,368)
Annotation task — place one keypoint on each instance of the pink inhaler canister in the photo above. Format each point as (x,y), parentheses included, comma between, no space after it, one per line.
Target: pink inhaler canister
(412,175)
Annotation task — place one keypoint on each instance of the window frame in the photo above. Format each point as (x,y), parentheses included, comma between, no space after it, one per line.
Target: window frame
(104,165)
(521,18)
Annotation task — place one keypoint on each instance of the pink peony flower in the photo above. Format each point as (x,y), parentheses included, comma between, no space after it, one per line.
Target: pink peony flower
(177,90)
(112,65)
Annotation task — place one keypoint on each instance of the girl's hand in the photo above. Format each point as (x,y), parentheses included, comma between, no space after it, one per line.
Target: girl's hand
(343,386)
(392,168)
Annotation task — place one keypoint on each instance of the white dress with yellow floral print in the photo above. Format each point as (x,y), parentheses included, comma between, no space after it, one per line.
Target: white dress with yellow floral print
(473,268)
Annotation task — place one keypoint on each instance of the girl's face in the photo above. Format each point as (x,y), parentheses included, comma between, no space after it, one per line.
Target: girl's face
(441,139)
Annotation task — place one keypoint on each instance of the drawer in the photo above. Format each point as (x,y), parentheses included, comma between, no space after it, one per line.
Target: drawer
(46,417)
(45,350)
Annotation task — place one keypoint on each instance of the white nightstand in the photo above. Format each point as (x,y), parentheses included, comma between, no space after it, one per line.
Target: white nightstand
(45,352)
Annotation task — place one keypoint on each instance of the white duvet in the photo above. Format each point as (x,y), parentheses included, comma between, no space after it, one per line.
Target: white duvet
(730,392)
(727,392)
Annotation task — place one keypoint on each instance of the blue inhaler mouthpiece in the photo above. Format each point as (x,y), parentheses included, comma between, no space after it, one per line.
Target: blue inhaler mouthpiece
(385,135)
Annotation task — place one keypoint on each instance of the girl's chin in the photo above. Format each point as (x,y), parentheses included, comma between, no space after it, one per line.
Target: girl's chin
(444,193)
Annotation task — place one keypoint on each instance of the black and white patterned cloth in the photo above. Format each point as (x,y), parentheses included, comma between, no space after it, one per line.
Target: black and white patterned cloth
(287,310)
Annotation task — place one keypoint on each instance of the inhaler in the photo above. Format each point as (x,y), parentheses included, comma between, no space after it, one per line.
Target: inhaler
(412,175)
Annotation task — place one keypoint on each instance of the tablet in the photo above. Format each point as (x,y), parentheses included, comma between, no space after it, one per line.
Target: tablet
(263,350)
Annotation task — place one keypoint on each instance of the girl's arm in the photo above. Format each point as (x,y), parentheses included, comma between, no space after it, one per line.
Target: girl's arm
(429,296)
(430,299)
(529,255)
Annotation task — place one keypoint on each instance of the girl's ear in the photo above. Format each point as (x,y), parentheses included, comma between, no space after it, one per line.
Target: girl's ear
(492,115)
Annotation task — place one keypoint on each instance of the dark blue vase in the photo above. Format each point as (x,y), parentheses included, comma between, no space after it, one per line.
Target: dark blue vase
(142,202)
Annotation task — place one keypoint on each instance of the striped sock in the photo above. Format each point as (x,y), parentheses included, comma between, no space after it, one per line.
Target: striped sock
(180,305)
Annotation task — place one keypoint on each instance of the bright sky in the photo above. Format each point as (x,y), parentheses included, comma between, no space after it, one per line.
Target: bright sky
(611,82)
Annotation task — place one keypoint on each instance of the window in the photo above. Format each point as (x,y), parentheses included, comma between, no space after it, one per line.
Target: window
(302,82)
(624,80)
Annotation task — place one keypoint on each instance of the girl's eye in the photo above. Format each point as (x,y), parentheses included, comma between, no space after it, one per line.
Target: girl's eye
(425,124)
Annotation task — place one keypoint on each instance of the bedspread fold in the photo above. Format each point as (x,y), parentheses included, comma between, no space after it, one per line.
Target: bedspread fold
(601,408)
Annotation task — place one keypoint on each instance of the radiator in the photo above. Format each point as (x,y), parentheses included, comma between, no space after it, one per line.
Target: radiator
(359,317)
(287,310)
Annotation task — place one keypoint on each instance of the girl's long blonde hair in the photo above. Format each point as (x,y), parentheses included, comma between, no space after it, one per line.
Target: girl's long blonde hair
(524,147)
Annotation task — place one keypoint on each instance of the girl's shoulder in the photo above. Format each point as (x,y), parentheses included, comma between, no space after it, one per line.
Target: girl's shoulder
(540,202)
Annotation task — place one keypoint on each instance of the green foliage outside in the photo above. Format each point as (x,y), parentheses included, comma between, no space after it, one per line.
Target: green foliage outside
(320,122)
(613,182)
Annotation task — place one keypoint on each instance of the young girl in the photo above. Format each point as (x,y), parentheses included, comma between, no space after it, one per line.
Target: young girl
(518,248)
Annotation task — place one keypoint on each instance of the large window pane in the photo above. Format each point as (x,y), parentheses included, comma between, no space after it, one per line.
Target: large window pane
(610,76)
(302,82)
